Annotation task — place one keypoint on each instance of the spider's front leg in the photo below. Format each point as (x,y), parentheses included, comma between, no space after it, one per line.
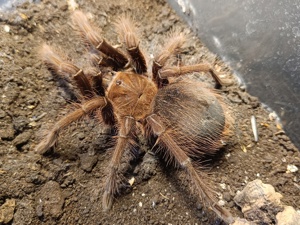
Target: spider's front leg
(198,178)
(175,71)
(111,186)
(162,71)
(127,33)
(173,47)
(111,55)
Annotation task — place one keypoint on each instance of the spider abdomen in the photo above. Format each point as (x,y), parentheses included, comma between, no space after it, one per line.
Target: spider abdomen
(193,115)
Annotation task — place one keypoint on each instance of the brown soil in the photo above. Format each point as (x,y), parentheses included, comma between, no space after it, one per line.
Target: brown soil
(65,187)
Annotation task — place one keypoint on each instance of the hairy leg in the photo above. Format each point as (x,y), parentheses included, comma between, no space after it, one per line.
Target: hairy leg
(175,71)
(96,78)
(89,35)
(111,185)
(86,108)
(171,48)
(100,60)
(127,33)
(61,66)
(198,178)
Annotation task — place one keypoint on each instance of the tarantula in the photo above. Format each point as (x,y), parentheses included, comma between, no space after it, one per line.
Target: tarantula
(185,118)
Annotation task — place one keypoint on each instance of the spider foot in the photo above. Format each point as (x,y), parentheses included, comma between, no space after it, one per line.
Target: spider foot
(223,213)
(107,201)
(45,144)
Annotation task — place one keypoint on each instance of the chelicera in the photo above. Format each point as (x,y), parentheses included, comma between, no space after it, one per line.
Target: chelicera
(184,117)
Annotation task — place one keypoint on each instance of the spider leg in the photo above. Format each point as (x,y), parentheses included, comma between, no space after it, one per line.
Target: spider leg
(126,30)
(89,34)
(60,66)
(205,192)
(86,108)
(101,60)
(175,71)
(173,47)
(96,79)
(111,185)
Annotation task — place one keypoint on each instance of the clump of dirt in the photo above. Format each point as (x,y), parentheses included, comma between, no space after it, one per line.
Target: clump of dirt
(65,187)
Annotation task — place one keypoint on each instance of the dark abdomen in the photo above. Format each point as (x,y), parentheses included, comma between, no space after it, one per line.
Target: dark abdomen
(193,116)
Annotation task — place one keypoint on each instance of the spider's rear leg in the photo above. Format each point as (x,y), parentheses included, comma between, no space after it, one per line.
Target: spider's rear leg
(198,178)
(63,67)
(127,33)
(86,108)
(111,186)
(175,71)
(89,34)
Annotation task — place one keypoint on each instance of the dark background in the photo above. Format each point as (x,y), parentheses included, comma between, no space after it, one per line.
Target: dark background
(260,40)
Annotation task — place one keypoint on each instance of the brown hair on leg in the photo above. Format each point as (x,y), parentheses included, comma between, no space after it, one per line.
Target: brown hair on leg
(176,71)
(199,180)
(111,185)
(60,66)
(85,109)
(127,32)
(89,34)
(172,47)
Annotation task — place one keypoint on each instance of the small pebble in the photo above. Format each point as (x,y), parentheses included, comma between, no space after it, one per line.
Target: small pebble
(226,196)
(155,201)
(2,114)
(7,211)
(81,136)
(87,162)
(291,168)
(6,28)
(243,87)
(171,206)
(22,138)
(273,116)
(72,5)
(221,203)
(131,181)
(223,186)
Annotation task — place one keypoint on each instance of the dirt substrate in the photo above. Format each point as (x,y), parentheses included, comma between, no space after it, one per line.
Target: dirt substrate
(65,187)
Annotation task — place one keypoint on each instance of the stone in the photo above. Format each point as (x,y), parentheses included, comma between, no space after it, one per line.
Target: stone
(50,200)
(257,194)
(289,216)
(7,211)
(239,221)
(22,138)
(259,202)
(87,162)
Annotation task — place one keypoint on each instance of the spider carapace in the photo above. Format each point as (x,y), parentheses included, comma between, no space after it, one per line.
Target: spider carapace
(131,94)
(185,117)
